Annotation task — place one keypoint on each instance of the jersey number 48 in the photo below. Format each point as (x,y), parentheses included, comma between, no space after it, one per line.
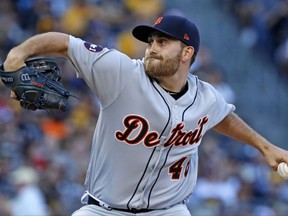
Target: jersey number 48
(176,169)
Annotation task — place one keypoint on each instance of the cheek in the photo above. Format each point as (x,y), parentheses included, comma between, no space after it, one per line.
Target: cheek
(146,52)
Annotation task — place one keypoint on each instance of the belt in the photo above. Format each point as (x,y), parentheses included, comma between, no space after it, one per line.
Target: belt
(133,210)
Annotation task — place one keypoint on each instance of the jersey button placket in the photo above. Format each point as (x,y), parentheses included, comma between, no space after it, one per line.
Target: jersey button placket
(154,169)
(177,113)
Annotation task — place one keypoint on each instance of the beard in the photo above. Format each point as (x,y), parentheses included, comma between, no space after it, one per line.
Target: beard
(157,66)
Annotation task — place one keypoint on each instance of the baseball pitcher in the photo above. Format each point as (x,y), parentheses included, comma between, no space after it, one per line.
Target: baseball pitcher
(153,116)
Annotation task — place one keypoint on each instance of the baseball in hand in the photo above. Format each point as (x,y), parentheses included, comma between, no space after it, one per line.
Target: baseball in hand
(283,170)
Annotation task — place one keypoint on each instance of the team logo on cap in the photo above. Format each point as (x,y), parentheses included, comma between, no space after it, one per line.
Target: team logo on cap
(186,37)
(158,21)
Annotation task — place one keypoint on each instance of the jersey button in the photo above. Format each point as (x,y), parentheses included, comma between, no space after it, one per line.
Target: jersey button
(176,106)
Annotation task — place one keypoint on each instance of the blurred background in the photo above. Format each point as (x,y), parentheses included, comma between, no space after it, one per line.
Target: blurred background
(244,54)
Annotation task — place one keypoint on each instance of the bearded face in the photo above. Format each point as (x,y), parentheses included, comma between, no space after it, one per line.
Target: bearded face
(157,65)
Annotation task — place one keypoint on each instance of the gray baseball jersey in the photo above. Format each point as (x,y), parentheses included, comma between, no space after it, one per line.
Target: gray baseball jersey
(145,146)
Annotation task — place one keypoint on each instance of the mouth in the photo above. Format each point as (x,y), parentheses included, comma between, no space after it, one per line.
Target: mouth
(154,58)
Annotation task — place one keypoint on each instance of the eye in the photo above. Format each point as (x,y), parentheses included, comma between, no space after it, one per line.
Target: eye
(162,41)
(150,41)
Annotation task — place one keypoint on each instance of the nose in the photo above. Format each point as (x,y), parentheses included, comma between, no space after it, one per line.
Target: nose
(153,48)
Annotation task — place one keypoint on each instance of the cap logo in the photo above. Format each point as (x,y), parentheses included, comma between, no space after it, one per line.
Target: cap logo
(186,37)
(158,21)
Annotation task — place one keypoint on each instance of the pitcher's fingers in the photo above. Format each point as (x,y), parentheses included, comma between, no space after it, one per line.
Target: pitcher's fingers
(13,95)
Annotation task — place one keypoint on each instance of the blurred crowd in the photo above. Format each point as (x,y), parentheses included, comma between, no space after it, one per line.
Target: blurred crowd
(44,156)
(264,27)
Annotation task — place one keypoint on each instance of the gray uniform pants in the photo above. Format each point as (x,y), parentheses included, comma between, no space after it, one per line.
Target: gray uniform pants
(179,210)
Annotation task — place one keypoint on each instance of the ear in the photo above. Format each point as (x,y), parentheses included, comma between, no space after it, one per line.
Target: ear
(187,53)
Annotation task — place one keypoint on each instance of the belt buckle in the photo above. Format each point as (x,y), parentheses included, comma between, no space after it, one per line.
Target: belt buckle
(134,210)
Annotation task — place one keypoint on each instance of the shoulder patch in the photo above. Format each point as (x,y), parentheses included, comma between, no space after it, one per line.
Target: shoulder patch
(93,47)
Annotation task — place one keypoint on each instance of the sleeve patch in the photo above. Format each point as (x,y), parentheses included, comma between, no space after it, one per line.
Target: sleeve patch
(93,47)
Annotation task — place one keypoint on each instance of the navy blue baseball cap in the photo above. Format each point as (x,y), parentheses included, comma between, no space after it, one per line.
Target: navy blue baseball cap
(177,27)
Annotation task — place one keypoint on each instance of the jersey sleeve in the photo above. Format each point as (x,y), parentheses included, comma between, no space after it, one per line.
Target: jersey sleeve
(106,71)
(219,109)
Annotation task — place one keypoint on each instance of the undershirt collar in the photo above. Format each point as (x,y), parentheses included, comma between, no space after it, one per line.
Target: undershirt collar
(177,95)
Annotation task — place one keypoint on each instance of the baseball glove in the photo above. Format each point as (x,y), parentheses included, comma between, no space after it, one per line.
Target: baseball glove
(37,85)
